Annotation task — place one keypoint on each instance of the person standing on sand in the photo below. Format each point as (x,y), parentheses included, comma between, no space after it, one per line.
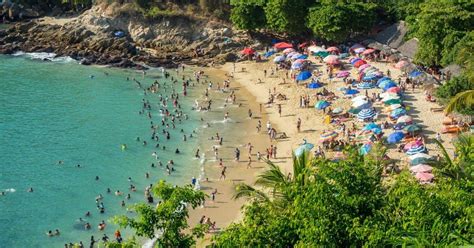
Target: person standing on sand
(279,109)
(249,164)
(298,125)
(259,126)
(274,152)
(223,173)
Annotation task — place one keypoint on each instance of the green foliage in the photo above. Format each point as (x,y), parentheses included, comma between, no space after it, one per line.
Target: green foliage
(286,16)
(345,204)
(168,218)
(248,15)
(338,22)
(453,87)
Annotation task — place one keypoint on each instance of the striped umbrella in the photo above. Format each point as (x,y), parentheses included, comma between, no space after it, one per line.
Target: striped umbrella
(365,85)
(363,67)
(369,77)
(366,113)
(322,104)
(354,60)
(327,136)
(415,150)
(420,155)
(421,168)
(288,50)
(404,119)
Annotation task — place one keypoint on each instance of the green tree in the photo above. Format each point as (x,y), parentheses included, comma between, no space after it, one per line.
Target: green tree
(168,220)
(286,16)
(448,94)
(248,15)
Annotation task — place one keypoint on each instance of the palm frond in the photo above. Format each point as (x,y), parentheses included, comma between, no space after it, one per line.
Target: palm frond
(243,190)
(462,100)
(271,178)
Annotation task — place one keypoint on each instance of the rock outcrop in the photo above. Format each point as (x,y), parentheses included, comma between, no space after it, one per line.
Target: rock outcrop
(118,36)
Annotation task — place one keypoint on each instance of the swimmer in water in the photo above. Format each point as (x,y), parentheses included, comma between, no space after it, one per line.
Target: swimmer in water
(30,190)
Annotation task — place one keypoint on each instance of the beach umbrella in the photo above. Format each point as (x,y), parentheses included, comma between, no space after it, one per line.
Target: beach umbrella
(332,49)
(304,75)
(395,137)
(363,67)
(421,168)
(424,177)
(288,55)
(279,59)
(314,85)
(337,110)
(366,114)
(295,56)
(331,60)
(304,44)
(420,156)
(322,54)
(365,148)
(404,119)
(361,104)
(369,77)
(322,104)
(359,63)
(327,136)
(351,92)
(300,61)
(415,150)
(247,51)
(365,85)
(393,101)
(412,128)
(353,60)
(297,66)
(305,147)
(315,49)
(359,98)
(388,86)
(387,94)
(370,126)
(282,45)
(385,83)
(355,46)
(399,126)
(302,56)
(342,74)
(401,64)
(382,79)
(343,55)
(415,74)
(397,113)
(359,50)
(288,50)
(413,144)
(269,53)
(391,97)
(368,51)
(394,89)
(354,111)
(394,106)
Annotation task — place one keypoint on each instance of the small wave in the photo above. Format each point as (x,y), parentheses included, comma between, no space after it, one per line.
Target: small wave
(45,56)
(11,190)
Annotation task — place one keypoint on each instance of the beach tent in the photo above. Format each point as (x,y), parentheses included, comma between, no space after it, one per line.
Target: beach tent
(314,85)
(331,60)
(395,137)
(322,104)
(304,75)
(282,45)
(248,51)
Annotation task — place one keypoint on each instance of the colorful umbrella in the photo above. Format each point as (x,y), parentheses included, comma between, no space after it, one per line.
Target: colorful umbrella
(404,119)
(291,54)
(413,144)
(321,54)
(359,50)
(354,111)
(415,74)
(393,101)
(279,59)
(305,147)
(322,104)
(269,53)
(355,46)
(394,89)
(399,126)
(331,60)
(302,56)
(332,49)
(359,63)
(282,45)
(288,50)
(389,85)
(397,112)
(247,51)
(420,155)
(353,60)
(368,51)
(366,113)
(424,177)
(359,98)
(315,49)
(361,104)
(337,110)
(421,168)
(394,106)
(369,77)
(382,79)
(351,92)
(386,82)
(327,135)
(314,85)
(342,74)
(363,67)
(415,150)
(304,75)
(365,85)
(370,126)
(395,137)
(295,56)
(401,64)
(297,66)
(365,148)
(412,128)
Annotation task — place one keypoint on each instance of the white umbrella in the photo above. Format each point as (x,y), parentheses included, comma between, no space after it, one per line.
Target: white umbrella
(420,155)
(316,49)
(358,104)
(390,97)
(395,106)
(359,98)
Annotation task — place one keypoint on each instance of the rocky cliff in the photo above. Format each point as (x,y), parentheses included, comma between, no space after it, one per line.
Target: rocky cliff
(120,36)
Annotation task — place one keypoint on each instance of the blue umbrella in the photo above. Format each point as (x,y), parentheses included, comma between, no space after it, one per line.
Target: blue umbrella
(389,85)
(302,56)
(355,60)
(365,85)
(306,147)
(376,130)
(415,73)
(385,82)
(295,56)
(364,149)
(369,77)
(351,92)
(343,55)
(296,66)
(279,59)
(303,75)
(398,112)
(269,53)
(395,137)
(366,114)
(370,126)
(322,104)
(314,85)
(382,79)
(415,150)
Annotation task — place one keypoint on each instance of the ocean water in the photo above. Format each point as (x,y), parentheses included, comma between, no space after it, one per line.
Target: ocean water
(51,111)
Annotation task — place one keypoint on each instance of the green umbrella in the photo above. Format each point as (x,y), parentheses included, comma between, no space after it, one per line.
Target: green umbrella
(322,54)
(412,128)
(393,101)
(354,111)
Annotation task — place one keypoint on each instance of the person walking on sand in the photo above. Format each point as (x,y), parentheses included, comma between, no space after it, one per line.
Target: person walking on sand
(279,109)
(259,126)
(274,152)
(249,163)
(298,125)
(223,173)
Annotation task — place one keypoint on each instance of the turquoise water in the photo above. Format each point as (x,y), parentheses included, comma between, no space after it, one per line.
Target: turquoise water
(51,111)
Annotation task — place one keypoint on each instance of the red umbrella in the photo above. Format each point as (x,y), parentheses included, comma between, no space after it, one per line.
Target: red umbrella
(332,49)
(282,45)
(248,51)
(368,51)
(331,59)
(359,63)
(394,90)
(303,45)
(424,176)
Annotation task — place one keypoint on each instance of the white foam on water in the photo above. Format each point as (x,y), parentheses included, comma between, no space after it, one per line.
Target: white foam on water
(45,56)
(10,190)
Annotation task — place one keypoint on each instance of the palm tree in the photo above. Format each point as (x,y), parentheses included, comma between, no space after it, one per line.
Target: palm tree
(276,182)
(462,167)
(462,100)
